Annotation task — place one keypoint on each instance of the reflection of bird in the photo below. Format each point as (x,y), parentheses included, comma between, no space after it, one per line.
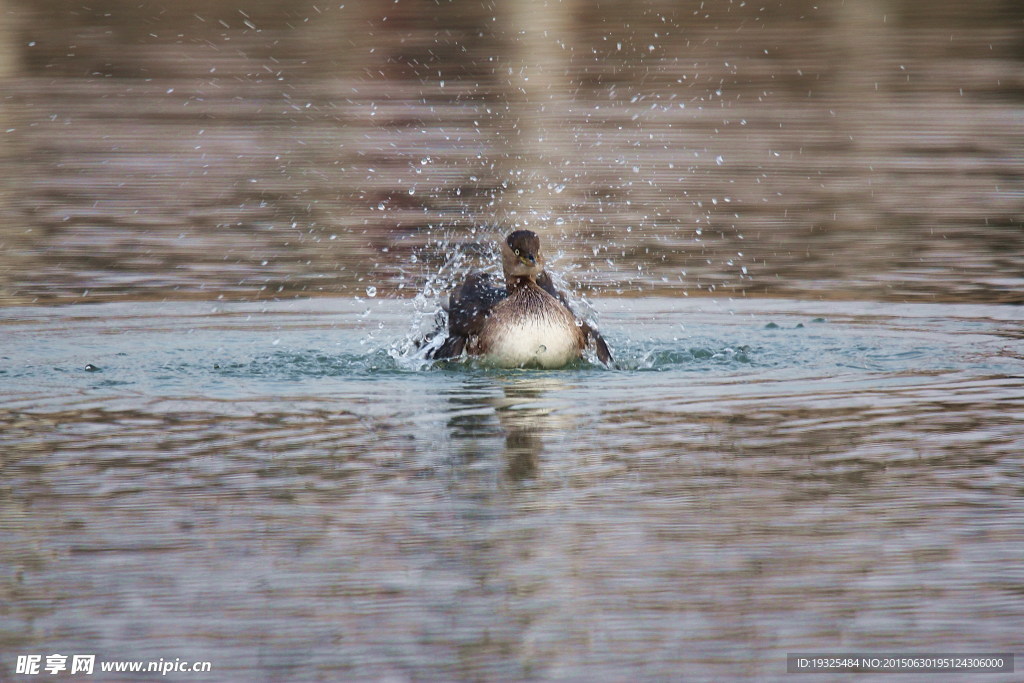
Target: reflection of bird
(526,323)
(529,410)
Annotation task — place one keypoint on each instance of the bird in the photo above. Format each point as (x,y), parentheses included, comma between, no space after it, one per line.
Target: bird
(526,323)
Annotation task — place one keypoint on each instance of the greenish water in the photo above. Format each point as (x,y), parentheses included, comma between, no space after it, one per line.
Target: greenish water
(278,489)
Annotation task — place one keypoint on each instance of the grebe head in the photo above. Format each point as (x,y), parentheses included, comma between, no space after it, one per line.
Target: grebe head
(520,255)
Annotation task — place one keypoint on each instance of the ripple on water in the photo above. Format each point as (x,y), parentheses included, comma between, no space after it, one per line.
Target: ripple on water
(289,478)
(293,365)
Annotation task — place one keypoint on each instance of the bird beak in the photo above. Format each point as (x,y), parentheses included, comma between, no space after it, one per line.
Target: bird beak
(528,259)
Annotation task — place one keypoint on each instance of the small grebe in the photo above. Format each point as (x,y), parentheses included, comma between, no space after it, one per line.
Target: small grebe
(528,323)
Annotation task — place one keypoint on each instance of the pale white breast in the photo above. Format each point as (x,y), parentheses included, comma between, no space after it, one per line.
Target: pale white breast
(537,342)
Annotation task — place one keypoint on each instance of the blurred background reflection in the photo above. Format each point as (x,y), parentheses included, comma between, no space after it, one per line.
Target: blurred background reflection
(277,149)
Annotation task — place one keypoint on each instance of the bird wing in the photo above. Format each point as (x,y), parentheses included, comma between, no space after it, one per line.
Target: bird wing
(589,333)
(468,307)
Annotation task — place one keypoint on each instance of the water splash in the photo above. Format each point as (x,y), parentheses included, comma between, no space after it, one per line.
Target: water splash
(462,256)
(458,256)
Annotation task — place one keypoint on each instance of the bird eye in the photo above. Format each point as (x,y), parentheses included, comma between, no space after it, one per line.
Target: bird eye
(517,252)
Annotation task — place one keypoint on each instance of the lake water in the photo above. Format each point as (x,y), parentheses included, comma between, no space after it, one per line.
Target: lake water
(272,488)
(224,224)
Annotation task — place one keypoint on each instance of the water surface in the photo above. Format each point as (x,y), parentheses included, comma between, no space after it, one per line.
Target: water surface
(274,488)
(868,150)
